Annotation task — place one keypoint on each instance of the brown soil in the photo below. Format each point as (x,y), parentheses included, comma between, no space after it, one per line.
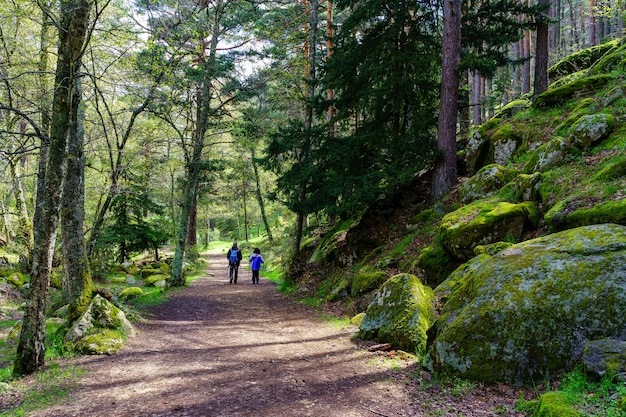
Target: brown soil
(215,349)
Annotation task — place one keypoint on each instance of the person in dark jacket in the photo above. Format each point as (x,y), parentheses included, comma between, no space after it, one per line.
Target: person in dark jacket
(234,258)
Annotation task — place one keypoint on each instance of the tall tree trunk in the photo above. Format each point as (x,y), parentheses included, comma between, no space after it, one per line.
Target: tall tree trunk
(77,283)
(245,208)
(541,51)
(464,110)
(74,20)
(192,234)
(194,166)
(445,174)
(259,197)
(24,232)
(45,102)
(308,114)
(526,66)
(593,38)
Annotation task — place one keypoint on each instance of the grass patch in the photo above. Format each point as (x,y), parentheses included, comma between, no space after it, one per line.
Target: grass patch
(594,398)
(49,387)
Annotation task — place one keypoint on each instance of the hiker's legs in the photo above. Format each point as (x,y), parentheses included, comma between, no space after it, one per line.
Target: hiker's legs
(230,273)
(255,277)
(236,272)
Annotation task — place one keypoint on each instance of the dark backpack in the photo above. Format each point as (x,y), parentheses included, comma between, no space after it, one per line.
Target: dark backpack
(233,256)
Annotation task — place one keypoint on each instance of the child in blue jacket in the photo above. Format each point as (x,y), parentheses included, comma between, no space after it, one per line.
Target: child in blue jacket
(255,264)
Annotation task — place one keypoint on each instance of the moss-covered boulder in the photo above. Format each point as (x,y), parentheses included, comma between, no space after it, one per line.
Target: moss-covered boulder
(548,155)
(130,292)
(99,328)
(146,272)
(339,291)
(17,279)
(478,148)
(590,129)
(613,59)
(524,187)
(584,211)
(605,357)
(401,314)
(512,108)
(154,279)
(616,168)
(367,280)
(486,182)
(105,342)
(485,222)
(504,143)
(581,60)
(436,263)
(559,95)
(527,312)
(555,404)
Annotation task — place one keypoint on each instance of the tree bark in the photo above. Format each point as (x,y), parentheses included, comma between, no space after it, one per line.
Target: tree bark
(77,283)
(259,197)
(541,52)
(445,174)
(72,37)
(194,166)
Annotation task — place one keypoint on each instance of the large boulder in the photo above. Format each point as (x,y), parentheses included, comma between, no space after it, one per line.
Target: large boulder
(605,357)
(585,211)
(504,143)
(101,329)
(548,155)
(479,146)
(487,181)
(401,314)
(485,222)
(527,312)
(367,280)
(590,129)
(524,187)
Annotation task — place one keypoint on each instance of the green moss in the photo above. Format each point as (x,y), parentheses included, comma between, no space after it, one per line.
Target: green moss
(367,280)
(611,60)
(358,319)
(615,169)
(575,213)
(437,263)
(401,314)
(152,279)
(525,312)
(103,342)
(561,94)
(580,60)
(555,404)
(484,222)
(488,126)
(130,292)
(16,279)
(146,272)
(513,107)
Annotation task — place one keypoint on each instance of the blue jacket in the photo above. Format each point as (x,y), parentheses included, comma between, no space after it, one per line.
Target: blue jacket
(255,262)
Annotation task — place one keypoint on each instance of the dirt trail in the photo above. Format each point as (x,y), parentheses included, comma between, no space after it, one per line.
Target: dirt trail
(215,349)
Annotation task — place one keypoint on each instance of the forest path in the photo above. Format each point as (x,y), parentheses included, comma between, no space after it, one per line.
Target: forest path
(215,349)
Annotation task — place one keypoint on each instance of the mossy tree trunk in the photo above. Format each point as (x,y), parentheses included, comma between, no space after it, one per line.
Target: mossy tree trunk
(73,34)
(77,283)
(194,164)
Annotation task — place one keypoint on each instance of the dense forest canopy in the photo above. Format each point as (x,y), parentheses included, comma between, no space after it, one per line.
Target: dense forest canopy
(129,126)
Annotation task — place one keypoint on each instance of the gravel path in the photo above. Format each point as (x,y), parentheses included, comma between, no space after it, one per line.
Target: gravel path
(215,349)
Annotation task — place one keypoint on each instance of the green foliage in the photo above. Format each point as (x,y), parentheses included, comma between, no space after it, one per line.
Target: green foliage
(487,27)
(136,224)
